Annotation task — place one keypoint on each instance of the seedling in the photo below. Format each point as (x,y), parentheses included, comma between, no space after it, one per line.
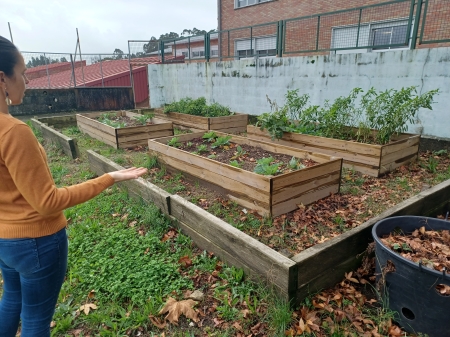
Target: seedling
(265,167)
(143,119)
(189,144)
(221,141)
(202,148)
(210,136)
(174,142)
(235,163)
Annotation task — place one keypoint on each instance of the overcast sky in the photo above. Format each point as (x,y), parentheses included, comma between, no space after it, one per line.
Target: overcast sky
(103,25)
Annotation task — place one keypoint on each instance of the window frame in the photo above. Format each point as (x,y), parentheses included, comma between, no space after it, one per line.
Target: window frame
(257,2)
(372,26)
(254,51)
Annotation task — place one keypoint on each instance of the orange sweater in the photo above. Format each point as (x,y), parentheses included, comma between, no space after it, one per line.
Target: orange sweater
(30,204)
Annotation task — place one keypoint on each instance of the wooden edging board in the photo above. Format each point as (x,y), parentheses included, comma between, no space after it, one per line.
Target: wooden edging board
(229,124)
(123,137)
(369,159)
(316,268)
(67,144)
(268,195)
(58,121)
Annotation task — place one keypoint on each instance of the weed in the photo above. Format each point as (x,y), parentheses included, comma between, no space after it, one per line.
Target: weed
(143,119)
(175,142)
(235,163)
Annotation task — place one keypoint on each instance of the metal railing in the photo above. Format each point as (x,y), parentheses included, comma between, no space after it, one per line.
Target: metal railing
(395,24)
(52,70)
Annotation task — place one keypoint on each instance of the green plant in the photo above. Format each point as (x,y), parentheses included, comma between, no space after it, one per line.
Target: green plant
(198,107)
(202,148)
(189,144)
(264,166)
(235,163)
(174,142)
(221,141)
(143,119)
(210,136)
(432,164)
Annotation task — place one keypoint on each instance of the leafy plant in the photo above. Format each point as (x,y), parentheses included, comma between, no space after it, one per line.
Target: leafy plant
(295,164)
(143,119)
(175,142)
(265,167)
(210,136)
(388,112)
(235,163)
(432,164)
(221,141)
(202,148)
(198,107)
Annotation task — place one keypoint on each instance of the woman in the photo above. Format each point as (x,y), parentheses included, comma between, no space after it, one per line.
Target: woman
(33,241)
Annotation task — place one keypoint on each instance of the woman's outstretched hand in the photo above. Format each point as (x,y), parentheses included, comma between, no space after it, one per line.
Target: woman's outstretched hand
(127,174)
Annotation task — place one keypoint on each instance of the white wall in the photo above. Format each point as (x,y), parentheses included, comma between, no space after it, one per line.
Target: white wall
(243,84)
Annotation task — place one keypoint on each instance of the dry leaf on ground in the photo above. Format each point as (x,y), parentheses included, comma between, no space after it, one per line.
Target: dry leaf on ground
(176,308)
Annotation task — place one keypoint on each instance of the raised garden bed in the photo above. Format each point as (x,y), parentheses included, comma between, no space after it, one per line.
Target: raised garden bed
(123,137)
(228,124)
(68,145)
(318,267)
(268,195)
(369,159)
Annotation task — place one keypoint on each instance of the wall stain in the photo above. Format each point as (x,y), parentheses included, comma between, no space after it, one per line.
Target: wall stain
(235,73)
(246,76)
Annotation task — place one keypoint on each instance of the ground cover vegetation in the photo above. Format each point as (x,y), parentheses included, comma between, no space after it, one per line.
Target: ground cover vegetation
(114,240)
(250,158)
(353,117)
(198,107)
(111,119)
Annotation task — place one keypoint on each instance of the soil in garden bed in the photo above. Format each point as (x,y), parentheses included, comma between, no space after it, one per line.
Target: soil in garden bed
(124,120)
(245,156)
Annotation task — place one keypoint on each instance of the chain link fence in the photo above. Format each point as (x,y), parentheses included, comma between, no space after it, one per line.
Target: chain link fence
(52,71)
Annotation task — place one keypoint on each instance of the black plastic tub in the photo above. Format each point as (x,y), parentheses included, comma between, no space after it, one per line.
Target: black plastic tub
(410,288)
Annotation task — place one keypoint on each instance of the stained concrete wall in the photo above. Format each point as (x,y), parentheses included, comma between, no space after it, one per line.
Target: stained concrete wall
(243,84)
(44,101)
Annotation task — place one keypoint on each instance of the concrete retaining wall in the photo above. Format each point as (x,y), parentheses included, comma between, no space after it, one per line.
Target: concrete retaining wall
(243,84)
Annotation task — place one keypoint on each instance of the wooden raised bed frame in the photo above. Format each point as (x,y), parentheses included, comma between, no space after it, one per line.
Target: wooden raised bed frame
(268,195)
(318,267)
(229,124)
(369,159)
(123,137)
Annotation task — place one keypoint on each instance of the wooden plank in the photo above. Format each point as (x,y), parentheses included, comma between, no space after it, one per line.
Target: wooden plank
(400,145)
(394,156)
(231,130)
(323,265)
(145,135)
(130,130)
(296,190)
(306,174)
(323,143)
(149,192)
(68,145)
(371,171)
(96,125)
(94,133)
(263,260)
(209,245)
(305,199)
(399,162)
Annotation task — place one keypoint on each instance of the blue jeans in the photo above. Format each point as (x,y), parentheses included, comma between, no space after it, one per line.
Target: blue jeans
(33,272)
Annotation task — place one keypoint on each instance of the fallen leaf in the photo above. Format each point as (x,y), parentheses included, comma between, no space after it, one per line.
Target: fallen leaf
(156,322)
(185,261)
(87,308)
(176,308)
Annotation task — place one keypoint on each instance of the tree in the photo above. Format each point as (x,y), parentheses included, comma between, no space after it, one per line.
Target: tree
(195,31)
(118,54)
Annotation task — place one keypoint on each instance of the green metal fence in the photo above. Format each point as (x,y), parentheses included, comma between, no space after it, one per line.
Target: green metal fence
(396,24)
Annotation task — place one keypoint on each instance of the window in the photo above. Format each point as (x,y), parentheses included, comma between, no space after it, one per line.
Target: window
(379,35)
(214,52)
(259,47)
(196,53)
(245,3)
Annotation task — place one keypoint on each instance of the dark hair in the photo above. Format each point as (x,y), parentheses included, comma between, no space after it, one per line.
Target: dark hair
(8,56)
